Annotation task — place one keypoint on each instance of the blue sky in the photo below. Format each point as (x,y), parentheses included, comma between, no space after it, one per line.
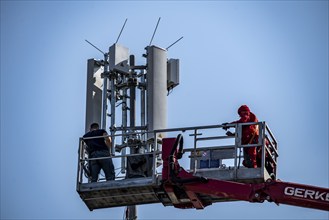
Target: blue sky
(271,55)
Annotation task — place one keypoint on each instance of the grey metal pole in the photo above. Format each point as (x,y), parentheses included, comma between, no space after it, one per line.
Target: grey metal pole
(143,106)
(132,210)
(104,95)
(132,105)
(131,213)
(113,100)
(124,130)
(132,90)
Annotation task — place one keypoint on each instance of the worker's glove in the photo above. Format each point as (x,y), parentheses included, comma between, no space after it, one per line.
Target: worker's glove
(225,127)
(118,148)
(230,133)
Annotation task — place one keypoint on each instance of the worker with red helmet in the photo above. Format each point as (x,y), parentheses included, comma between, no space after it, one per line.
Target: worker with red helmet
(250,133)
(249,136)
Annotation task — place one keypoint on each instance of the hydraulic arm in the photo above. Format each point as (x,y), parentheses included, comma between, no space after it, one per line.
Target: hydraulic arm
(187,191)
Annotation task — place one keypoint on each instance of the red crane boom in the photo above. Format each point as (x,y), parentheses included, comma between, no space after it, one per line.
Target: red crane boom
(180,184)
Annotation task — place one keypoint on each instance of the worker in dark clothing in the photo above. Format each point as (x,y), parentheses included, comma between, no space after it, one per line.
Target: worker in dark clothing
(99,147)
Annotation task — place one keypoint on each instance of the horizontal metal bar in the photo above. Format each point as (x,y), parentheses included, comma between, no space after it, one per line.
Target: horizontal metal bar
(194,135)
(119,156)
(141,67)
(116,135)
(131,128)
(183,129)
(210,148)
(203,127)
(214,138)
(188,128)
(248,145)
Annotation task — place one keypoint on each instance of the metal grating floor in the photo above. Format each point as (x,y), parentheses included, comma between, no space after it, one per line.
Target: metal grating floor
(118,193)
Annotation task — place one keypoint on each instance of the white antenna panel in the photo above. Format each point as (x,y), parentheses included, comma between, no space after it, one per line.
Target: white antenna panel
(94,93)
(156,89)
(119,56)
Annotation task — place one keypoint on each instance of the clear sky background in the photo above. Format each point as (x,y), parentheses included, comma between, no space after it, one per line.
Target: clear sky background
(271,55)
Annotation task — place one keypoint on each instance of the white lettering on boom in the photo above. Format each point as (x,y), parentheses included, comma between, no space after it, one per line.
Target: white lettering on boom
(306,193)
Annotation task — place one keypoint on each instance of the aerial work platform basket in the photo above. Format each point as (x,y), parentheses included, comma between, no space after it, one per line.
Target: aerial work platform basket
(209,152)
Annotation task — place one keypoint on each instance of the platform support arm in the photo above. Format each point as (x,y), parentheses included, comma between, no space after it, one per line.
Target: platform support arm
(297,195)
(178,182)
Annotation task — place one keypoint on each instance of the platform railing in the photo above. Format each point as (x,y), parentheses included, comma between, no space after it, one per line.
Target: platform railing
(82,175)
(196,139)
